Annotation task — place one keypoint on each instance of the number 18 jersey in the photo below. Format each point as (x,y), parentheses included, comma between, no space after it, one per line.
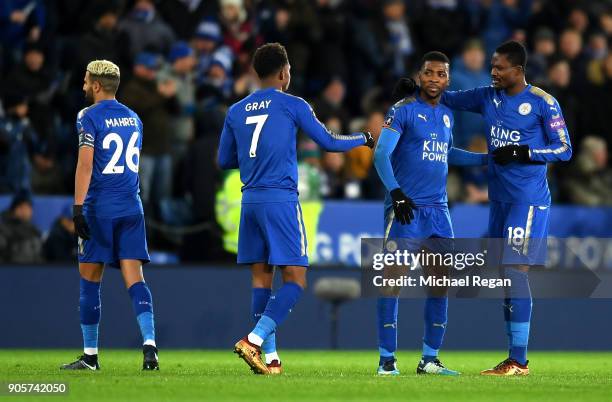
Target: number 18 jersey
(115,133)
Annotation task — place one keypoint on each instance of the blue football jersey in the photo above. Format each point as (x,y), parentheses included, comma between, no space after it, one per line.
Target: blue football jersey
(115,133)
(420,158)
(532,118)
(260,137)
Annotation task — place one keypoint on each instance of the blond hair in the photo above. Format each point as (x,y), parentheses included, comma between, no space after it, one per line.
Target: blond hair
(106,73)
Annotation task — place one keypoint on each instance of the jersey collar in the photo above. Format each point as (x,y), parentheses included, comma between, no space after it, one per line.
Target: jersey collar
(525,90)
(422,101)
(107,101)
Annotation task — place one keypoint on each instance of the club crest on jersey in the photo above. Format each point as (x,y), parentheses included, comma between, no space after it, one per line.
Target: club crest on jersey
(524,108)
(446,120)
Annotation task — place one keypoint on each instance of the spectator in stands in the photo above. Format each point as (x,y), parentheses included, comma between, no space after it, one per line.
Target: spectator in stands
(398,36)
(296,25)
(20,240)
(329,58)
(467,73)
(146,30)
(330,103)
(20,20)
(239,32)
(559,81)
(447,33)
(332,163)
(590,182)
(309,170)
(33,79)
(61,244)
(597,47)
(184,15)
(500,18)
(368,51)
(570,47)
(245,84)
(359,162)
(605,22)
(217,87)
(358,166)
(39,85)
(578,19)
(19,146)
(182,64)
(544,47)
(206,42)
(596,107)
(103,41)
(155,102)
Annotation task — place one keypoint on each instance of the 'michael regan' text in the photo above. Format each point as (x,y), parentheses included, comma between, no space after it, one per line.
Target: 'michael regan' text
(121,122)
(443,281)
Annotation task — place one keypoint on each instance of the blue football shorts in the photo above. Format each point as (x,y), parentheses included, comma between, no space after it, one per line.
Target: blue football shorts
(431,228)
(273,233)
(518,233)
(114,239)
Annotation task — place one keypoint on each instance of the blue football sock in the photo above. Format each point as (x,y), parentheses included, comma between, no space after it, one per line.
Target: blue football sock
(90,307)
(387,308)
(519,314)
(435,316)
(142,301)
(507,306)
(259,300)
(278,308)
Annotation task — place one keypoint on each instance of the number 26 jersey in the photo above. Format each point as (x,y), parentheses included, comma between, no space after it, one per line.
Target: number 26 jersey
(115,133)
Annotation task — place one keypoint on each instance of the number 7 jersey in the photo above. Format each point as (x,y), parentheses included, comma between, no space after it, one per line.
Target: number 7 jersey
(115,133)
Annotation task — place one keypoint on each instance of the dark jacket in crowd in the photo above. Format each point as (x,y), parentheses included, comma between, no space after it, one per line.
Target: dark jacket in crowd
(61,245)
(20,241)
(155,112)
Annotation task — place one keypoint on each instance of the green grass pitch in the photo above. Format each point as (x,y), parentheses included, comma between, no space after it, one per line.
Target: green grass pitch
(310,376)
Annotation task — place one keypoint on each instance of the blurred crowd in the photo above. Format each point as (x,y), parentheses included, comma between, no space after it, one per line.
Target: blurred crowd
(183,62)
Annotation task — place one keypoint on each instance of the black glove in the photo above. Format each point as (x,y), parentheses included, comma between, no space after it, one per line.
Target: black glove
(80,224)
(402,207)
(369,139)
(511,153)
(403,87)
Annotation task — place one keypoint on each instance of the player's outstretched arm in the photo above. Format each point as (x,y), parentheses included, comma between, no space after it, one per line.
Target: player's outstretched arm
(327,140)
(470,100)
(403,206)
(461,157)
(227,157)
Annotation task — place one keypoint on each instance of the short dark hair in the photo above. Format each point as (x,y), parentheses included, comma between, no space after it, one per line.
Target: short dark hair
(110,84)
(269,59)
(434,56)
(515,52)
